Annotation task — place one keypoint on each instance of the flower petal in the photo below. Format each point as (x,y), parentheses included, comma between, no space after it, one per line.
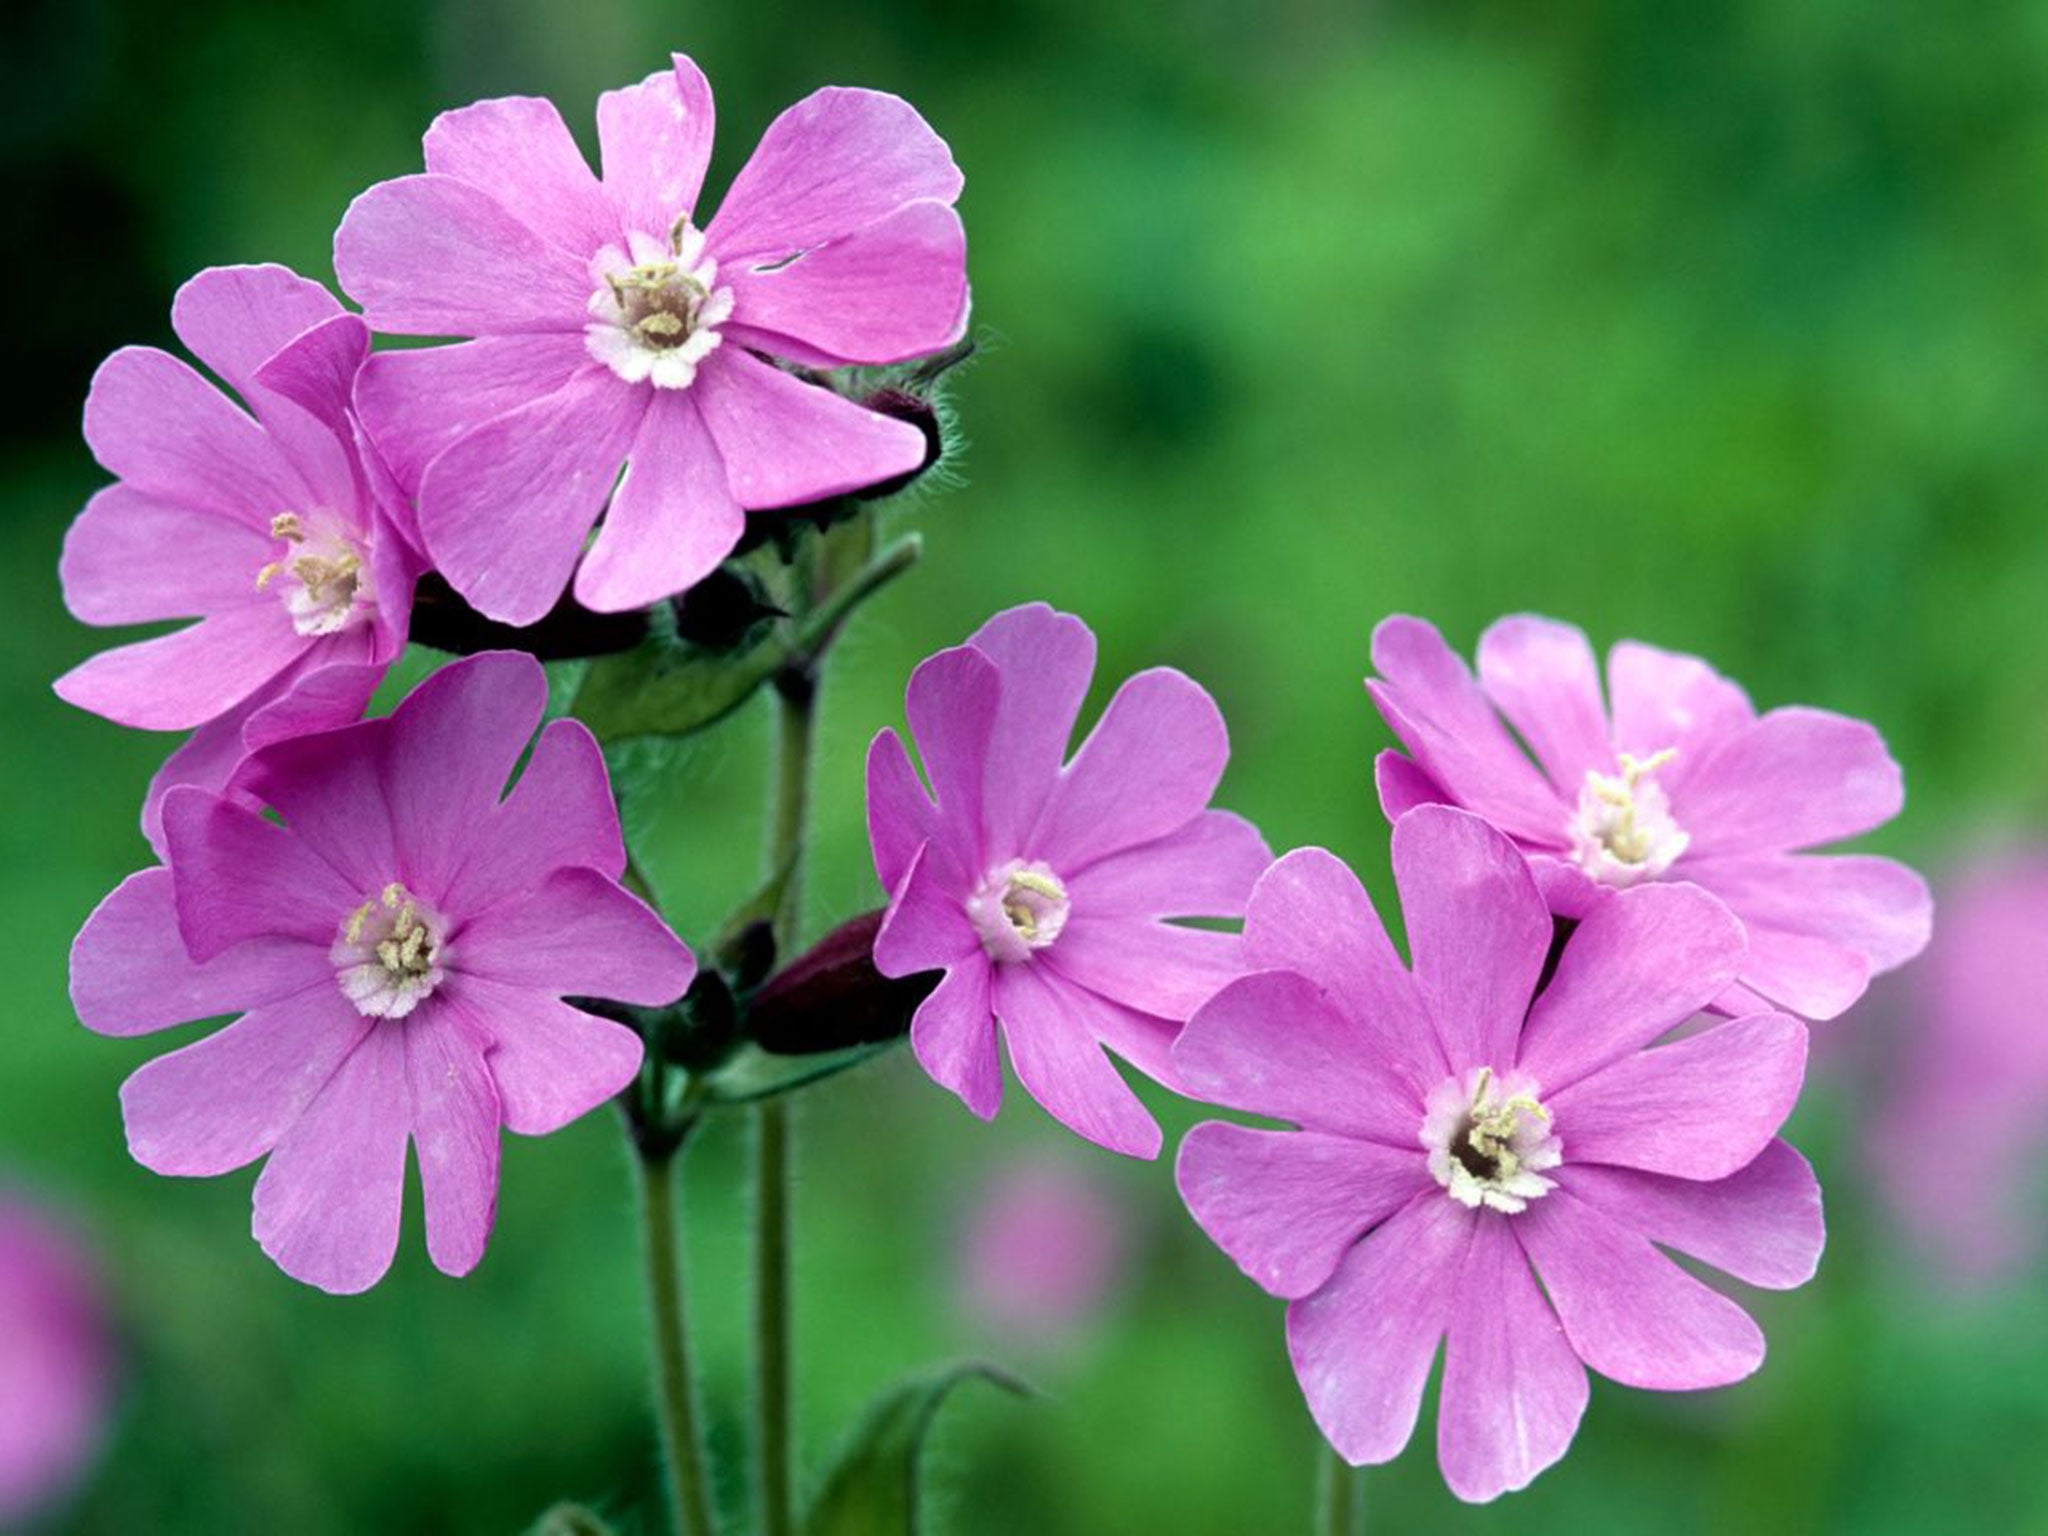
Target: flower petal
(520,145)
(1665,701)
(672,519)
(1814,978)
(901,816)
(1793,778)
(1513,1390)
(455,1117)
(561,812)
(577,934)
(1879,908)
(541,471)
(1156,968)
(434,256)
(1478,930)
(330,789)
(133,558)
(1062,1066)
(131,973)
(1630,1313)
(316,372)
(1287,1205)
(225,1100)
(1363,1344)
(329,1199)
(188,677)
(1699,1108)
(927,927)
(234,318)
(954,1038)
(1402,785)
(952,702)
(416,402)
(1276,1044)
(1046,659)
(551,1063)
(1761,1224)
(894,290)
(786,442)
(1145,771)
(1543,676)
(239,877)
(835,162)
(1206,869)
(1640,963)
(655,141)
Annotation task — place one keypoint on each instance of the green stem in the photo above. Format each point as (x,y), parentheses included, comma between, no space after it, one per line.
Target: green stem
(689,1488)
(1338,1504)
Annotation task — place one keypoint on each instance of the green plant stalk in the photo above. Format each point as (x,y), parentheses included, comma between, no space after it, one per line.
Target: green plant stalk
(688,1486)
(1338,1505)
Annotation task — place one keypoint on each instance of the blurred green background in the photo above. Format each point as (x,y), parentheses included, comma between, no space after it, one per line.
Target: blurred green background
(1722,325)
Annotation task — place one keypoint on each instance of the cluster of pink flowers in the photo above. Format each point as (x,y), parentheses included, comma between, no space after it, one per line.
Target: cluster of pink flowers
(397,933)
(1600,1030)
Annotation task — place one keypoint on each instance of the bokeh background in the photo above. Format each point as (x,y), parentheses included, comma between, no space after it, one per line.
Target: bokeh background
(1721,325)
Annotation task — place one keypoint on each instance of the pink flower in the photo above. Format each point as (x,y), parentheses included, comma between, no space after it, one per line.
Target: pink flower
(1043,1249)
(1486,1165)
(269,528)
(1973,1060)
(615,325)
(1044,891)
(399,950)
(57,1366)
(1681,780)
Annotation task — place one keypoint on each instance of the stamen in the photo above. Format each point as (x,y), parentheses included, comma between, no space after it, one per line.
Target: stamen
(1623,830)
(1019,909)
(1489,1142)
(388,956)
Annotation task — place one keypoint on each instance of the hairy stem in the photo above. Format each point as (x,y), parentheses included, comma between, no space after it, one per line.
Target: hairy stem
(1338,1505)
(689,1488)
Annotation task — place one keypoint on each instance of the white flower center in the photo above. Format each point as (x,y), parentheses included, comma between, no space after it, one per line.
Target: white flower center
(1020,907)
(655,312)
(1623,830)
(320,575)
(388,955)
(1489,1140)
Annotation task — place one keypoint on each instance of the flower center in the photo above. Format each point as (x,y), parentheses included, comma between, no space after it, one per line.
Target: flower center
(1623,830)
(1020,907)
(388,955)
(326,586)
(1489,1140)
(655,313)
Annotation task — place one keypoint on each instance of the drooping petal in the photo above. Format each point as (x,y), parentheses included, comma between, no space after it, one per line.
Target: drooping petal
(1640,963)
(519,146)
(1145,771)
(1545,679)
(1206,869)
(1791,779)
(155,423)
(577,934)
(433,256)
(226,1100)
(239,877)
(455,1116)
(1762,1224)
(505,507)
(132,558)
(1630,1313)
(417,401)
(927,927)
(551,1063)
(894,290)
(1309,914)
(1362,1345)
(672,519)
(1478,931)
(1062,1066)
(1156,968)
(329,1199)
(951,703)
(1402,785)
(1877,907)
(1046,659)
(1663,701)
(1274,1043)
(1699,1108)
(181,680)
(786,442)
(316,371)
(1513,1390)
(1431,703)
(561,812)
(954,1038)
(835,162)
(131,973)
(901,817)
(1287,1205)
(655,141)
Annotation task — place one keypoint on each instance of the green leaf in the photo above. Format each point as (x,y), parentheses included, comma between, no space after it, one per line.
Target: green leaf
(671,688)
(752,1073)
(872,1489)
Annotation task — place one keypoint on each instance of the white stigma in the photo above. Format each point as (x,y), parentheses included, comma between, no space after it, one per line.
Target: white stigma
(321,574)
(1019,908)
(655,312)
(1489,1140)
(388,955)
(1623,830)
